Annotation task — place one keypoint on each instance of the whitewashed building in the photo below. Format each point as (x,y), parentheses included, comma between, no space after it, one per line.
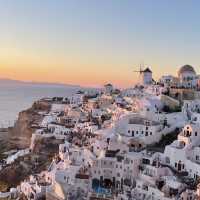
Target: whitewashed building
(183,154)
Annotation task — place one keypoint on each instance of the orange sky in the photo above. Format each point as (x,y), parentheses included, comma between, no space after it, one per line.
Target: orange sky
(89,70)
(93,73)
(72,70)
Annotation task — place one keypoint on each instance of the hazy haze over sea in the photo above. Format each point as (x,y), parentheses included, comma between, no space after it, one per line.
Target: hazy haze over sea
(16,96)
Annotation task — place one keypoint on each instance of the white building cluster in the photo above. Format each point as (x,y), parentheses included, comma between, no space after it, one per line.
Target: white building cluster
(186,78)
(135,144)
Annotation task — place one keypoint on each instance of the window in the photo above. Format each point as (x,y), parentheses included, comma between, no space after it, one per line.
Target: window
(175,164)
(147,128)
(167,160)
(129,131)
(197,157)
(150,133)
(132,133)
(195,133)
(146,134)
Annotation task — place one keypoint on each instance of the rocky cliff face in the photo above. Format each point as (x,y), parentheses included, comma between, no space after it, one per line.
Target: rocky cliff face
(27,122)
(20,137)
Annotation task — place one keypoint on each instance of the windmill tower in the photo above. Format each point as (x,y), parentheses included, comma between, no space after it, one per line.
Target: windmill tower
(145,76)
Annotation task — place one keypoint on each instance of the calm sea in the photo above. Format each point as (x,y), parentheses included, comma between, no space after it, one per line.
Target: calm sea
(17,97)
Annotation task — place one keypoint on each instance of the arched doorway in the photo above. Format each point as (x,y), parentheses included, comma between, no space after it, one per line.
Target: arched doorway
(118,184)
(179,167)
(167,160)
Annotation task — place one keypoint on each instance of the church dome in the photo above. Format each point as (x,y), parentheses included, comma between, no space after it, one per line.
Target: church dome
(186,69)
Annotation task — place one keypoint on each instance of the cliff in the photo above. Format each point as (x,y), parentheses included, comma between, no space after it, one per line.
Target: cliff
(26,124)
(20,137)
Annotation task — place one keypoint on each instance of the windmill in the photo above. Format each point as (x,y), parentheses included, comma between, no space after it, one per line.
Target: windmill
(145,75)
(140,71)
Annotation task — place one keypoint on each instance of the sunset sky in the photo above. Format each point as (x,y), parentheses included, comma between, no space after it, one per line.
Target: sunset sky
(91,42)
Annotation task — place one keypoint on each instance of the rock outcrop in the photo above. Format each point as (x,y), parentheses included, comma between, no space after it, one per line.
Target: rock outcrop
(20,137)
(26,124)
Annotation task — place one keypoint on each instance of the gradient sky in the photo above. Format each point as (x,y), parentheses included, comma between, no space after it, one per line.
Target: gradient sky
(91,42)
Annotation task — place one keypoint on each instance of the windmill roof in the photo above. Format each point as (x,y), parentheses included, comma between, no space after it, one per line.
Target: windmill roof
(147,70)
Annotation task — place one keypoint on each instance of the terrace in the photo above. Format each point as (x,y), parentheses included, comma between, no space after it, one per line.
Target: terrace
(178,144)
(99,196)
(111,154)
(143,121)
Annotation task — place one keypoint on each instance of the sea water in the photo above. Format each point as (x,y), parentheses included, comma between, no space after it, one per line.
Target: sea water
(17,97)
